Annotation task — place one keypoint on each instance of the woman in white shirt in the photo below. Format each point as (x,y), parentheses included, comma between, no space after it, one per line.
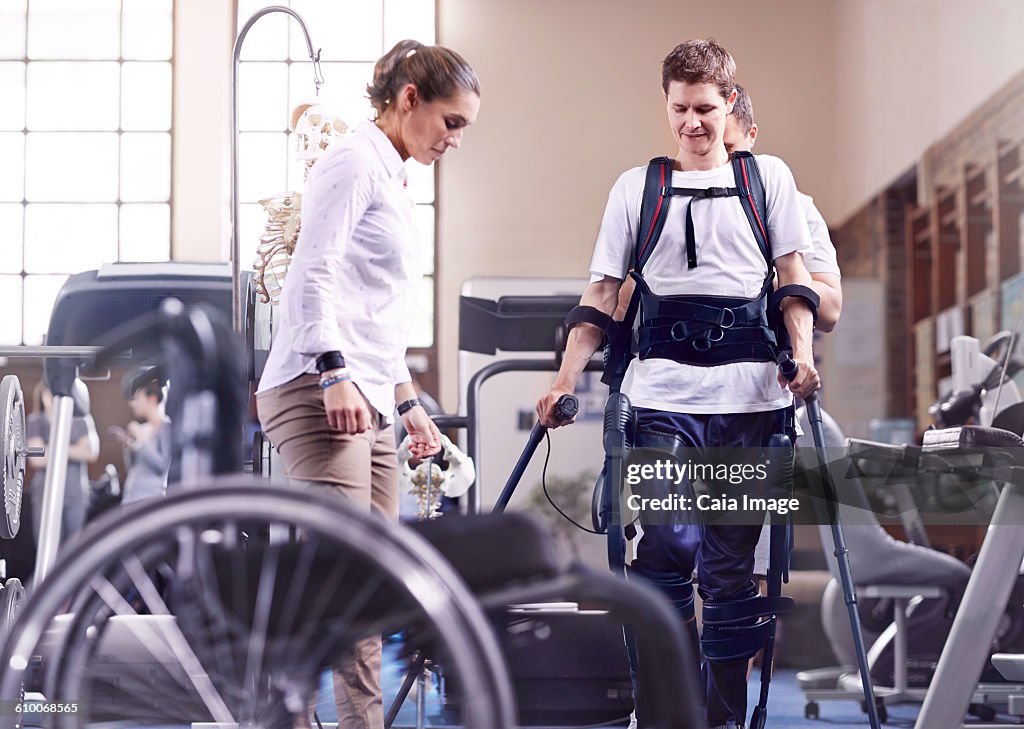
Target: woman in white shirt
(337,364)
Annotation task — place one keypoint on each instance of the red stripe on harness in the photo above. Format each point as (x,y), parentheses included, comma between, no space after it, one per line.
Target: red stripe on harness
(657,212)
(746,184)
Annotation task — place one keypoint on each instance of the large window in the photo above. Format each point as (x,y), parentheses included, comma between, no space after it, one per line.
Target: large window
(85,146)
(275,75)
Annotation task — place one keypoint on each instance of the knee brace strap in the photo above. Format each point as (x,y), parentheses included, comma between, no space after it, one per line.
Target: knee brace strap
(672,585)
(737,629)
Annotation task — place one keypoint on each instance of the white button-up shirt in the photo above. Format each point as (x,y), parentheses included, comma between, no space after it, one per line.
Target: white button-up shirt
(351,282)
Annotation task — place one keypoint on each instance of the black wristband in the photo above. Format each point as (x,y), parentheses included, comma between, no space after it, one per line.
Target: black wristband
(406,406)
(329,361)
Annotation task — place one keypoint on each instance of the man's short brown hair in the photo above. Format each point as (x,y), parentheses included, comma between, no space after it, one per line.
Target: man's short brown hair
(700,61)
(743,109)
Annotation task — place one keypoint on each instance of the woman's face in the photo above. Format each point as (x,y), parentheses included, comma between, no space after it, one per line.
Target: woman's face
(696,113)
(430,128)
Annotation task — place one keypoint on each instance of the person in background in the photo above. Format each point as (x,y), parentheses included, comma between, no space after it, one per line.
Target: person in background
(84,449)
(147,441)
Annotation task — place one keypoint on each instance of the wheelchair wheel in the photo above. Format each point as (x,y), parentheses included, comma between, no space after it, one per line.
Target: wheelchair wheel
(225,603)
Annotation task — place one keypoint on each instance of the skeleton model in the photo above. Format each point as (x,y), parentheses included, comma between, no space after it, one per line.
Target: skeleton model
(428,482)
(315,130)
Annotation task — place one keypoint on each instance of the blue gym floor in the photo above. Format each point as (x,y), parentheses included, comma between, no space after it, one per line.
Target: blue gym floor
(785,707)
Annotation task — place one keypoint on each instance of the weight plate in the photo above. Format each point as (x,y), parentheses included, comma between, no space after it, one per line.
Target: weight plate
(12,448)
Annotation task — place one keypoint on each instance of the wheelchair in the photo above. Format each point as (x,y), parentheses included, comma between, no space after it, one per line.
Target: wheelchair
(224,602)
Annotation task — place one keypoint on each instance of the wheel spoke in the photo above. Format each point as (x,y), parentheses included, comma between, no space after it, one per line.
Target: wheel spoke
(178,644)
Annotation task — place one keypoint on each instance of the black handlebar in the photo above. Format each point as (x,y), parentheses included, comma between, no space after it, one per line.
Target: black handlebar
(567,407)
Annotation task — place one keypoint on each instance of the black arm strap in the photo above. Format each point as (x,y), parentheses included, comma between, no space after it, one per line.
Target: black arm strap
(329,361)
(588,315)
(802,292)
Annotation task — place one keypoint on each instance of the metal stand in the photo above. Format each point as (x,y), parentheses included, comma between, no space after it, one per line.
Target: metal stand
(314,56)
(53,486)
(955,682)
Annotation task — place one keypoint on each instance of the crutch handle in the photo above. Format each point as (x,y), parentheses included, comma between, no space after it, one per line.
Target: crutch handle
(788,369)
(567,407)
(787,366)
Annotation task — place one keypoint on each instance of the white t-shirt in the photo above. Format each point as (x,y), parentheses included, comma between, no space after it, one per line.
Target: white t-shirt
(822,259)
(729,263)
(350,285)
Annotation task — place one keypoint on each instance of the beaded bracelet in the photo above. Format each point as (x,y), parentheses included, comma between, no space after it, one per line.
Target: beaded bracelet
(328,381)
(337,372)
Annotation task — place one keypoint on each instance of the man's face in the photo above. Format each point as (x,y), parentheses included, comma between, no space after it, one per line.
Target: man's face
(697,114)
(141,404)
(735,139)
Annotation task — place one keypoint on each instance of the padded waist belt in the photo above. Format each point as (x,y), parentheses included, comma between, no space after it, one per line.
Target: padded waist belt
(704,330)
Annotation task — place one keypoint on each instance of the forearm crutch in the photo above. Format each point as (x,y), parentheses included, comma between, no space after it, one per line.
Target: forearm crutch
(788,368)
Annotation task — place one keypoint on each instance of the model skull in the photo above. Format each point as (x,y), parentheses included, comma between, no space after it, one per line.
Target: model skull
(315,129)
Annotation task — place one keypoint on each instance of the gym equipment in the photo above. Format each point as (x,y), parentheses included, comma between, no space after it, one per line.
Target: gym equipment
(82,314)
(976,455)
(788,368)
(899,572)
(515,327)
(925,585)
(15,453)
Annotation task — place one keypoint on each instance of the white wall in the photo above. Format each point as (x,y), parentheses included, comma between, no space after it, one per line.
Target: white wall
(906,73)
(572,97)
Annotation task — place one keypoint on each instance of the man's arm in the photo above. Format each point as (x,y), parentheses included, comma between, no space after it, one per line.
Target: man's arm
(583,341)
(829,288)
(823,267)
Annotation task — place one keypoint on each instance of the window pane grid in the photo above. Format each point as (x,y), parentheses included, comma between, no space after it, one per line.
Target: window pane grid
(275,59)
(113,60)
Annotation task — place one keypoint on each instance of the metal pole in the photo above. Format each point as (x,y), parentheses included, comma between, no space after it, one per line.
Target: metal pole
(63,352)
(842,558)
(314,56)
(977,619)
(53,486)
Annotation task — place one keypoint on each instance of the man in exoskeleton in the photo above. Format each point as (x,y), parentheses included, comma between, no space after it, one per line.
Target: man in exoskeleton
(704,373)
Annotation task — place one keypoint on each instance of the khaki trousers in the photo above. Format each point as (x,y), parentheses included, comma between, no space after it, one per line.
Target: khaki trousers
(363,468)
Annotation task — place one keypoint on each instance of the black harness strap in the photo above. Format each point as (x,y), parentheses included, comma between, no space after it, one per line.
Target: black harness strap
(653,207)
(716,329)
(754,201)
(697,193)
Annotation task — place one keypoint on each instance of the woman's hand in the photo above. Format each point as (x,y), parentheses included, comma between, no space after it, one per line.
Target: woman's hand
(424,437)
(347,409)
